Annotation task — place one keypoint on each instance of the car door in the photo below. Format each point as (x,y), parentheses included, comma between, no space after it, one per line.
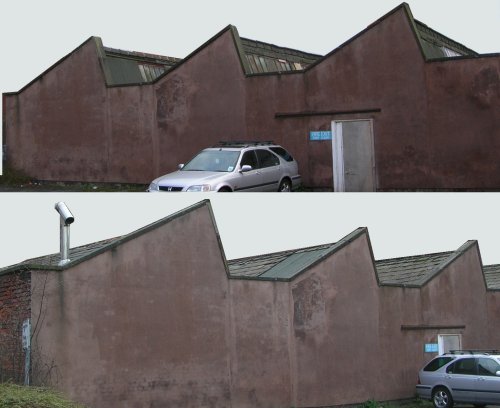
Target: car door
(461,377)
(249,180)
(269,166)
(488,383)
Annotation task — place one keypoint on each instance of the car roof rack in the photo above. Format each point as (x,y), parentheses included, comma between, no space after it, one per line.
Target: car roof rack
(475,351)
(244,143)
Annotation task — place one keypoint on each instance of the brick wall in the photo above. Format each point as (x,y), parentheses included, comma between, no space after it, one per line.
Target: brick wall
(15,307)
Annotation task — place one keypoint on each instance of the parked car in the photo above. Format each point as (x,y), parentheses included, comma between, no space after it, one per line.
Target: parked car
(234,166)
(471,377)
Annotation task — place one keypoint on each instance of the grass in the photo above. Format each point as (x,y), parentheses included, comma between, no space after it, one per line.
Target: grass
(16,396)
(411,403)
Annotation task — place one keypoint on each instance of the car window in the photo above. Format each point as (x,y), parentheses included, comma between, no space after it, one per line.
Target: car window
(213,160)
(266,158)
(282,153)
(463,366)
(487,366)
(249,159)
(437,363)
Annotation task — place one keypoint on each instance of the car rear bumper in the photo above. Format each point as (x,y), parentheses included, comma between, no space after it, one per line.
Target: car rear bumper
(424,391)
(296,182)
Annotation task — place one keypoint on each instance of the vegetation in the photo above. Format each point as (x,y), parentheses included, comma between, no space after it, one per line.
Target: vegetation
(15,396)
(14,181)
(413,403)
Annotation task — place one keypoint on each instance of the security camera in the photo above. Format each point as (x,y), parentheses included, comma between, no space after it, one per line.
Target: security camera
(65,213)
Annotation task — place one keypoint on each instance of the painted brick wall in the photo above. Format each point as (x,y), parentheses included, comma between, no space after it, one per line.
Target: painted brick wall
(15,307)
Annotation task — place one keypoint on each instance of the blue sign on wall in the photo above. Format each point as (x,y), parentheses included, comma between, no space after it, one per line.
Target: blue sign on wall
(320,135)
(431,348)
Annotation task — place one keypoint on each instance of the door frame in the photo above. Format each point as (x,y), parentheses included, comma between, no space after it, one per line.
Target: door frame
(338,169)
(441,341)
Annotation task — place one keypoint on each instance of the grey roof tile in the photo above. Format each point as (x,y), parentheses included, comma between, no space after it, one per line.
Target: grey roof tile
(410,271)
(492,276)
(283,264)
(50,261)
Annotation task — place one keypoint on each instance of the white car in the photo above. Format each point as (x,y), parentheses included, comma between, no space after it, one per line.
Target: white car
(234,166)
(462,376)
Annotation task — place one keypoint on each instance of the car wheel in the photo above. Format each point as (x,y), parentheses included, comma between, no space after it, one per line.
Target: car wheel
(225,190)
(441,398)
(285,186)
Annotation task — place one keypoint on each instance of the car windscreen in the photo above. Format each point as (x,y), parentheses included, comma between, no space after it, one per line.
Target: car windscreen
(213,160)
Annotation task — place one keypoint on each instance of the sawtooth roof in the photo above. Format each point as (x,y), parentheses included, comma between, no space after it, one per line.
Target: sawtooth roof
(411,271)
(123,68)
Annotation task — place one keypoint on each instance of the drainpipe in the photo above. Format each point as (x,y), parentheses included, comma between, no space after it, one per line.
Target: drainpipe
(65,220)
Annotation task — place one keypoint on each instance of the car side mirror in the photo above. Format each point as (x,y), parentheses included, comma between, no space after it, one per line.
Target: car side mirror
(497,373)
(245,168)
(180,166)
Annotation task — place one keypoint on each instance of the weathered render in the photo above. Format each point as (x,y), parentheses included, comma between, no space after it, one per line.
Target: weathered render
(431,103)
(157,318)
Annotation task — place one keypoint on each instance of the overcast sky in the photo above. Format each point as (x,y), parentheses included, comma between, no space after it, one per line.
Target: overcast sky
(251,223)
(35,34)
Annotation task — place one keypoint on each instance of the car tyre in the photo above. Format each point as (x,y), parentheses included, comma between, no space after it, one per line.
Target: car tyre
(225,190)
(441,398)
(285,186)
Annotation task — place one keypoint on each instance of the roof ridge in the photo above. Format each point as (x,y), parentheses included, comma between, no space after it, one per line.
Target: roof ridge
(282,47)
(280,252)
(140,54)
(415,256)
(451,40)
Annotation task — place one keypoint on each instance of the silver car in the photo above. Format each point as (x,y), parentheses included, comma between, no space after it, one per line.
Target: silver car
(234,166)
(471,377)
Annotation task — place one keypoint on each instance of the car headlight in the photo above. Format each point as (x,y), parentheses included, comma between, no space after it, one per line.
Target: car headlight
(199,188)
(153,187)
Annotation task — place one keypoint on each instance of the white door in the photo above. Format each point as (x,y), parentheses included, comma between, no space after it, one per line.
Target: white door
(353,156)
(447,342)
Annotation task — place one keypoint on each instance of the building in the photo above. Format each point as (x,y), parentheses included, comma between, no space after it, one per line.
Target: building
(408,108)
(155,318)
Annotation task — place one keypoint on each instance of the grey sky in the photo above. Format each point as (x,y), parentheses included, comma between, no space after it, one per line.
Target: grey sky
(399,224)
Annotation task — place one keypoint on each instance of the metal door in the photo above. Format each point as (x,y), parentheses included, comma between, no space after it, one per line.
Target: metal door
(353,156)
